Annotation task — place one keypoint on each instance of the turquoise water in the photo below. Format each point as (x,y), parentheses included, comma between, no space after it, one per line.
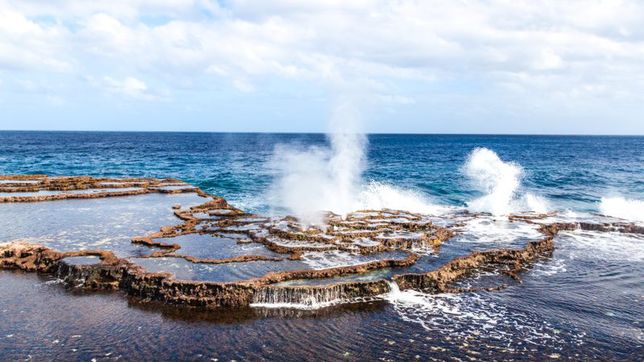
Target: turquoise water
(569,171)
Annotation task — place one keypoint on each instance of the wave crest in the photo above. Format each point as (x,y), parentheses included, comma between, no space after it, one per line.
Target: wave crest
(376,196)
(500,181)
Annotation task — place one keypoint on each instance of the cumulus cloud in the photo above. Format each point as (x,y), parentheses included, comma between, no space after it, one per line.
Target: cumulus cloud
(25,44)
(129,86)
(553,49)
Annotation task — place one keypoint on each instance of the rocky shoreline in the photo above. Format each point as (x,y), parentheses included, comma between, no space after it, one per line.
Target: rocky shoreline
(363,235)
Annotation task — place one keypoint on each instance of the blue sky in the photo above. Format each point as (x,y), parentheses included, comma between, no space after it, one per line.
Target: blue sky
(414,66)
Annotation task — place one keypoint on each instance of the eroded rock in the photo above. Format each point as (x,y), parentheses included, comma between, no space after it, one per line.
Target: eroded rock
(367,232)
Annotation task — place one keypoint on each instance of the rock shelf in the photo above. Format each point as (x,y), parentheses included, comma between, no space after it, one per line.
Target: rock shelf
(215,234)
(34,188)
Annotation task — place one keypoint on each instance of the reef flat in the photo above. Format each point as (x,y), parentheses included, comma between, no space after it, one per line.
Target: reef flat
(97,234)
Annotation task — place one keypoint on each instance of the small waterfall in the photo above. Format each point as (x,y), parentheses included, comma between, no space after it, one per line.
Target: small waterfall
(297,297)
(394,289)
(314,297)
(70,275)
(408,297)
(88,276)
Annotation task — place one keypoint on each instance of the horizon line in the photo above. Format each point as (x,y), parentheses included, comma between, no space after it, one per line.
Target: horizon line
(324,133)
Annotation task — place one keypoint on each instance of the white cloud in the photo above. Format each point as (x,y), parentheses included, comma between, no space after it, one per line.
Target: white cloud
(25,44)
(243,85)
(129,10)
(539,48)
(129,87)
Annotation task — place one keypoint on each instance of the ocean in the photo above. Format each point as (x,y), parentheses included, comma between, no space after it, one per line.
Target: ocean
(586,302)
(572,172)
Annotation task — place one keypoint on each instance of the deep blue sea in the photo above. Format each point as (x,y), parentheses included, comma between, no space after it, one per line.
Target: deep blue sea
(585,302)
(569,171)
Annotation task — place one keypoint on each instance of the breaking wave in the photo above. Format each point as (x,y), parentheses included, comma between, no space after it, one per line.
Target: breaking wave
(313,180)
(316,179)
(629,209)
(377,195)
(500,181)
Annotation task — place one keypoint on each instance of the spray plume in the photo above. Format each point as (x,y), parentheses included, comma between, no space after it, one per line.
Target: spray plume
(310,181)
(317,179)
(500,181)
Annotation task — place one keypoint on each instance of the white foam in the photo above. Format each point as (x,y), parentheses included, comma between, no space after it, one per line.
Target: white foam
(549,268)
(629,209)
(316,179)
(469,315)
(612,246)
(377,196)
(497,179)
(500,181)
(434,309)
(536,203)
(310,181)
(498,231)
(311,305)
(395,295)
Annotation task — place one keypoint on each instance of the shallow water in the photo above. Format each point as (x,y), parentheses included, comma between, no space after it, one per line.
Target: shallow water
(586,302)
(205,246)
(108,223)
(231,272)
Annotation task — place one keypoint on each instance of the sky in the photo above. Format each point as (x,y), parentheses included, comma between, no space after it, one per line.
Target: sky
(431,66)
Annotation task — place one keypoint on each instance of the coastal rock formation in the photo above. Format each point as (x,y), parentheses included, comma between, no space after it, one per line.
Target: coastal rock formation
(215,235)
(507,261)
(34,188)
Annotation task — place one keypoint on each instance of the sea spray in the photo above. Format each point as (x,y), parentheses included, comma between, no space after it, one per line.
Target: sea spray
(407,297)
(317,179)
(378,195)
(629,209)
(500,181)
(536,203)
(497,179)
(347,163)
(310,181)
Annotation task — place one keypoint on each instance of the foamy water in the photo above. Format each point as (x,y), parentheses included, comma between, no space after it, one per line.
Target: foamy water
(313,180)
(607,246)
(490,230)
(500,181)
(470,316)
(622,208)
(377,195)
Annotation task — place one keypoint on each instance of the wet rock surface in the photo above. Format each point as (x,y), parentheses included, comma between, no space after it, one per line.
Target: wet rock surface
(33,188)
(218,256)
